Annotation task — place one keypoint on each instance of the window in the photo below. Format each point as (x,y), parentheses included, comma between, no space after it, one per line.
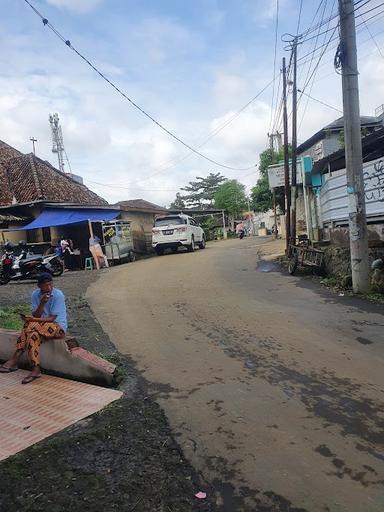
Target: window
(167,221)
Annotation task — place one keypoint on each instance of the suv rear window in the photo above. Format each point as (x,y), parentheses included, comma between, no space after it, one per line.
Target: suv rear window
(166,221)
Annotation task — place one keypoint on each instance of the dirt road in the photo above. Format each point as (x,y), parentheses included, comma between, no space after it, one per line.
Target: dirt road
(273,386)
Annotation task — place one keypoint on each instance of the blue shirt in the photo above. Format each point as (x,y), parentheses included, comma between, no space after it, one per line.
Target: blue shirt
(54,307)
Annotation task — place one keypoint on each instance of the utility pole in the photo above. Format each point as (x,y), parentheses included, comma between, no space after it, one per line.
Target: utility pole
(294,141)
(286,162)
(274,210)
(358,235)
(33,140)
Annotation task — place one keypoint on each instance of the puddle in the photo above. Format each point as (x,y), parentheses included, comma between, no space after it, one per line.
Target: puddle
(267,266)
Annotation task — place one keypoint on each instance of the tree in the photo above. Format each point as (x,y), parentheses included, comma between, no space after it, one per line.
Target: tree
(178,203)
(231,197)
(261,195)
(201,192)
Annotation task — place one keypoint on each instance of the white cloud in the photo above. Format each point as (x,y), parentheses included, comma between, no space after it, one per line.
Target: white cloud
(76,5)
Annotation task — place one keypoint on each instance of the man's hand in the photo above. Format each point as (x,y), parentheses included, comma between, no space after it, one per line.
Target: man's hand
(45,298)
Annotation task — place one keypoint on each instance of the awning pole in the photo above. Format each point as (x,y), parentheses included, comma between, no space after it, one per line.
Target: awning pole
(94,254)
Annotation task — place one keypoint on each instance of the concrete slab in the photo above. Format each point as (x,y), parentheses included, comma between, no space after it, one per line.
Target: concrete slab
(58,358)
(32,412)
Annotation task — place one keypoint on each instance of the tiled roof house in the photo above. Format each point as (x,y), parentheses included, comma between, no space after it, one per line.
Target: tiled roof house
(25,178)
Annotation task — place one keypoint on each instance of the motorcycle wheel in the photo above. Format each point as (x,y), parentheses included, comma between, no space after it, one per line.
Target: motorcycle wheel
(57,268)
(4,279)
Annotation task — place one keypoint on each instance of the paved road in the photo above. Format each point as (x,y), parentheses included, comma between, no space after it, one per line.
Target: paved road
(273,385)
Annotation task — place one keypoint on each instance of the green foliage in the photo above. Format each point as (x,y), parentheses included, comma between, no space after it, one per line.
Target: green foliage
(178,203)
(209,224)
(200,193)
(230,196)
(10,316)
(261,196)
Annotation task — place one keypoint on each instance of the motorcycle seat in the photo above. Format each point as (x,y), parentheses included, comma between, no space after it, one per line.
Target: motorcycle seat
(36,257)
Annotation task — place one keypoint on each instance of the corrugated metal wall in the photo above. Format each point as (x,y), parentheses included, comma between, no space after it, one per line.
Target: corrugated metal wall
(334,197)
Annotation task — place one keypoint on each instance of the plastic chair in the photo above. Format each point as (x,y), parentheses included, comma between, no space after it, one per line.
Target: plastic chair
(88,264)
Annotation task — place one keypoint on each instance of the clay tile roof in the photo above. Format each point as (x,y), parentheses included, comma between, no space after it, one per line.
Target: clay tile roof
(7,152)
(27,178)
(140,204)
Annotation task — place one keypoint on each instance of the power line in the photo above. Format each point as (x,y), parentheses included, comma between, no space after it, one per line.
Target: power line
(213,133)
(274,61)
(118,186)
(117,89)
(373,38)
(317,37)
(335,46)
(299,18)
(377,15)
(319,101)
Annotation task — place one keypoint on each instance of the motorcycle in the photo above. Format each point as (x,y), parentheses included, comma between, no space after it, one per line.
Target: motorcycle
(27,265)
(241,234)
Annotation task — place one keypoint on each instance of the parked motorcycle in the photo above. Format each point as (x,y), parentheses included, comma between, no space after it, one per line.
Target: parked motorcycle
(27,265)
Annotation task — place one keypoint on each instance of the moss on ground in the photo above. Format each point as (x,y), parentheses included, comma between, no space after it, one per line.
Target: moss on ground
(10,316)
(123,458)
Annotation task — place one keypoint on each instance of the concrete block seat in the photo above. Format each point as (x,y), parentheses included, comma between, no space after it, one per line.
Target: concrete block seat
(63,357)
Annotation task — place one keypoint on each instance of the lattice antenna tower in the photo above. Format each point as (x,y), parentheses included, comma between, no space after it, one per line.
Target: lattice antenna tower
(57,140)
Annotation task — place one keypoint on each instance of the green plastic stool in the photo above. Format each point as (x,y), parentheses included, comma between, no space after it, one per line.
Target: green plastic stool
(88,264)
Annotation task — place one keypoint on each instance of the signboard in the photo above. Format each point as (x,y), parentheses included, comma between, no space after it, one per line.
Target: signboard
(276,175)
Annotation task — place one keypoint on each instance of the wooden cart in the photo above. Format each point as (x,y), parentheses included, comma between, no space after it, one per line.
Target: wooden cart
(303,254)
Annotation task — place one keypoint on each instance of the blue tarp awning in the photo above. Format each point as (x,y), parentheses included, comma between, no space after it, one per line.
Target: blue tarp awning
(60,216)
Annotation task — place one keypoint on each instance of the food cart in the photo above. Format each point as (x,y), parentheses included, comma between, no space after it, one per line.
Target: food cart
(118,241)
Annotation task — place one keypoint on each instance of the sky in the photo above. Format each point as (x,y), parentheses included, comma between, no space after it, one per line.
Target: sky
(192,65)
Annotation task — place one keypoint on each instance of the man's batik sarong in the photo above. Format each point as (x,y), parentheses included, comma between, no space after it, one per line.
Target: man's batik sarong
(32,336)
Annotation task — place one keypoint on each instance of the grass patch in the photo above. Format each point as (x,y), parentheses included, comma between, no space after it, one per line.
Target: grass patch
(10,316)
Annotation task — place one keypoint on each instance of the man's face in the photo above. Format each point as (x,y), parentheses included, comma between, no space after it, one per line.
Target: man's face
(46,287)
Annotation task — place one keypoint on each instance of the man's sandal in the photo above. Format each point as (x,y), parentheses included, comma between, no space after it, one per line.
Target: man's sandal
(6,369)
(30,378)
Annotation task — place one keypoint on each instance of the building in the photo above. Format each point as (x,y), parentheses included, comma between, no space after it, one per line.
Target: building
(330,139)
(141,214)
(58,204)
(329,178)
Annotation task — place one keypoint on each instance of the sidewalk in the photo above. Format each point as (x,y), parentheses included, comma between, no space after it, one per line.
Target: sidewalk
(33,412)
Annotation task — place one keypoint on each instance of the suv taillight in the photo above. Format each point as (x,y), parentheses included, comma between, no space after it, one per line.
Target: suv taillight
(155,231)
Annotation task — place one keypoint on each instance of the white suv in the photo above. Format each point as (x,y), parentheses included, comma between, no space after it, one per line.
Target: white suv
(174,231)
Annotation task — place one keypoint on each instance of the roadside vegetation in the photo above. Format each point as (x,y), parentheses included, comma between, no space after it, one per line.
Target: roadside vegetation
(10,316)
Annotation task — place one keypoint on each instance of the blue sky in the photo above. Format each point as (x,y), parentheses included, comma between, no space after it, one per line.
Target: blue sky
(191,64)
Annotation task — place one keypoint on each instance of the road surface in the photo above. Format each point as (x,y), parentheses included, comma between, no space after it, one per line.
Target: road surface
(272,384)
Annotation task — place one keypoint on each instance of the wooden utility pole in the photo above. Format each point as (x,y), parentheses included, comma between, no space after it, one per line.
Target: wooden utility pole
(286,162)
(358,235)
(294,141)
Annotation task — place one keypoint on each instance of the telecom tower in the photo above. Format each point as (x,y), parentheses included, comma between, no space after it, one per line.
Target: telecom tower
(57,140)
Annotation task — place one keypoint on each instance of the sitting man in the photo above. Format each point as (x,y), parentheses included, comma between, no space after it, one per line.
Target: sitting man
(48,321)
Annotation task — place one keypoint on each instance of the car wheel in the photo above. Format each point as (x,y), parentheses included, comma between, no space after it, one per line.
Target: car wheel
(191,247)
(202,243)
(159,251)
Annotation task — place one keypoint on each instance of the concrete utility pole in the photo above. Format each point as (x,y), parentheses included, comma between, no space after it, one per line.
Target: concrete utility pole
(286,162)
(358,235)
(33,140)
(294,142)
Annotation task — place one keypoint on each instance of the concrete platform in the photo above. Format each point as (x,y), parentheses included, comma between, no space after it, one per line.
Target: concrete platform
(32,412)
(64,359)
